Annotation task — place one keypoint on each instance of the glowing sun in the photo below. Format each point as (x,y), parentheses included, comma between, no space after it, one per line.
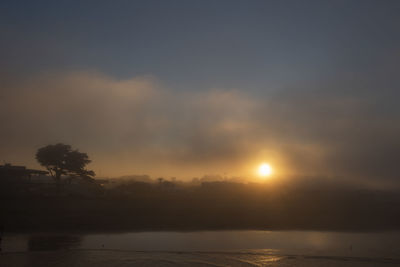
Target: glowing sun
(264,170)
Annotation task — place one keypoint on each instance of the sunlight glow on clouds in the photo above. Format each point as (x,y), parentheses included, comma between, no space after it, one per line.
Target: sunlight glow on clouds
(138,126)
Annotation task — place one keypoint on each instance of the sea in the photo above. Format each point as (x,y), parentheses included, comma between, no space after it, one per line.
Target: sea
(202,248)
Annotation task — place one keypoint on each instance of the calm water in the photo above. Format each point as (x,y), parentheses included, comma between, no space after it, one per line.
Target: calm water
(234,248)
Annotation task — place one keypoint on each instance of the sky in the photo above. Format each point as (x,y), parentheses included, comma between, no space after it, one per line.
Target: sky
(189,88)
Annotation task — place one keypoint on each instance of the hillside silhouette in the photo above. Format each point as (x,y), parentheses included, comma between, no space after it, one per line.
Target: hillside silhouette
(140,203)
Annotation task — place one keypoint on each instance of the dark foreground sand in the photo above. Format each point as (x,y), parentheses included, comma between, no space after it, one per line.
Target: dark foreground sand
(111,258)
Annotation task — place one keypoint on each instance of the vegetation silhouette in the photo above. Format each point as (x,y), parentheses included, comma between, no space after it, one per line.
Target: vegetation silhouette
(140,203)
(143,206)
(60,159)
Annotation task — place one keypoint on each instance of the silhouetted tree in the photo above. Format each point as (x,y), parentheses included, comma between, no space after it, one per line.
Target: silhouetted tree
(60,159)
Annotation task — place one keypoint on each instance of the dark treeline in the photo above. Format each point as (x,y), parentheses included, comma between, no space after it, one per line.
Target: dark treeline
(166,205)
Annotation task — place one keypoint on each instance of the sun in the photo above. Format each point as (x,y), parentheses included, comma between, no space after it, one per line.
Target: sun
(264,170)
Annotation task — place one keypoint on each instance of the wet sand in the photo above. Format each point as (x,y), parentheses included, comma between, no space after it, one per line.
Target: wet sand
(111,258)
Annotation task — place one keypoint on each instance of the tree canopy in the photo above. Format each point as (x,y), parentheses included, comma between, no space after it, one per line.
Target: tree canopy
(61,159)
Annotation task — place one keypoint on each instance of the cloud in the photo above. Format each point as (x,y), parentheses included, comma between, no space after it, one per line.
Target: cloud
(134,121)
(138,126)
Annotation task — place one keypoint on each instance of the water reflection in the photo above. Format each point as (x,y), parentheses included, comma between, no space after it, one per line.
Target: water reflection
(265,242)
(255,242)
